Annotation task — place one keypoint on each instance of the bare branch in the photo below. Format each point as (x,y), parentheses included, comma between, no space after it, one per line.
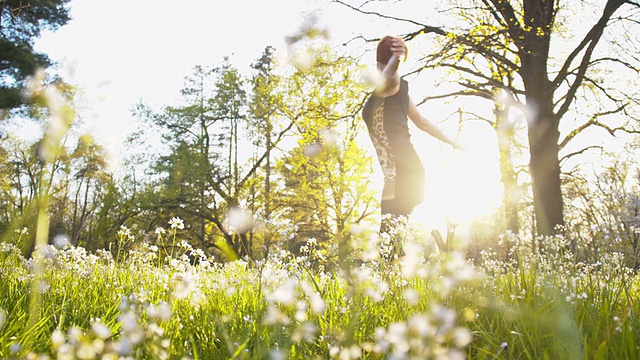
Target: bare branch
(257,164)
(593,121)
(602,89)
(587,45)
(495,14)
(615,60)
(382,15)
(489,81)
(451,95)
(356,38)
(477,117)
(426,29)
(570,155)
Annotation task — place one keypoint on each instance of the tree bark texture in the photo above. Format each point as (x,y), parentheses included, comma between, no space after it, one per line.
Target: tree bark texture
(543,131)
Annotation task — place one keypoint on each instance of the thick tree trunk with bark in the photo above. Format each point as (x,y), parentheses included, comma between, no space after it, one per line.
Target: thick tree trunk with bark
(545,172)
(543,127)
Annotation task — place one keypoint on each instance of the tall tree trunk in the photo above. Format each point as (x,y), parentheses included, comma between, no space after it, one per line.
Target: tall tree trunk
(544,165)
(267,169)
(543,132)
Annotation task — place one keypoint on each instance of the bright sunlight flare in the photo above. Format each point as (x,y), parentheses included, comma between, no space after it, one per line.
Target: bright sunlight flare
(461,186)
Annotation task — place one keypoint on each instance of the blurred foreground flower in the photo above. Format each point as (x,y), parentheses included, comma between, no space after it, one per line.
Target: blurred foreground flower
(239,220)
(309,29)
(302,55)
(61,241)
(183,285)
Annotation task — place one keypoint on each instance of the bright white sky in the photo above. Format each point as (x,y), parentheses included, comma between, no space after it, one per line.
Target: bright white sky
(122,51)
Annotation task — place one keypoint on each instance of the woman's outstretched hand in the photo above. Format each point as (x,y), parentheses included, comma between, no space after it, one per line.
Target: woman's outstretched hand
(398,48)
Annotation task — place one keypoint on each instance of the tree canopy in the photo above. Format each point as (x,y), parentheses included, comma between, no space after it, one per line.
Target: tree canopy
(21,22)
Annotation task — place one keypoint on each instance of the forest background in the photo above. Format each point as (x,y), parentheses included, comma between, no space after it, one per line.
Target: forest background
(273,143)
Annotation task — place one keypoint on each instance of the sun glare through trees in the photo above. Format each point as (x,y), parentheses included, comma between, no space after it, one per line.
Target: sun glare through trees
(246,220)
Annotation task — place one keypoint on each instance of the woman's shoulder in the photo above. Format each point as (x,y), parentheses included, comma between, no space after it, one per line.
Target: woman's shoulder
(404,85)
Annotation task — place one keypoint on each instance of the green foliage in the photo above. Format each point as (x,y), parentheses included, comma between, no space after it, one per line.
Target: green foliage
(198,177)
(20,24)
(61,172)
(326,188)
(225,151)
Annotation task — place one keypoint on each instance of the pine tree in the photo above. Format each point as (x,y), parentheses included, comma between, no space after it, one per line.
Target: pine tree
(21,22)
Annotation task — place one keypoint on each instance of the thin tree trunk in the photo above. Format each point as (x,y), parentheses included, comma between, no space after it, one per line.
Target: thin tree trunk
(511,193)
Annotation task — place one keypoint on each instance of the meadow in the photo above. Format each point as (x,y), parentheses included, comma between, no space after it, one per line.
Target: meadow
(399,295)
(355,300)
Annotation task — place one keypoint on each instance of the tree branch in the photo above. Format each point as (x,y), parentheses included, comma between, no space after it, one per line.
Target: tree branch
(382,15)
(264,155)
(593,121)
(489,81)
(508,16)
(587,45)
(568,156)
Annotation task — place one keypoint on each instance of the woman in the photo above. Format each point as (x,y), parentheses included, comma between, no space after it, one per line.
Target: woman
(385,113)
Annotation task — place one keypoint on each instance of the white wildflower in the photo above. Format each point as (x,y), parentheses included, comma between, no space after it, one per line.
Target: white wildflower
(301,311)
(86,351)
(160,312)
(275,316)
(197,298)
(43,286)
(352,352)
(397,336)
(57,339)
(461,336)
(420,325)
(61,241)
(278,355)
(446,317)
(285,294)
(305,332)
(123,347)
(131,329)
(315,300)
(101,330)
(124,232)
(183,285)
(412,296)
(176,223)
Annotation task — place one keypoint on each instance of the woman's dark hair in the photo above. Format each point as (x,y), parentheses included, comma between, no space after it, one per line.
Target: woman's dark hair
(383,53)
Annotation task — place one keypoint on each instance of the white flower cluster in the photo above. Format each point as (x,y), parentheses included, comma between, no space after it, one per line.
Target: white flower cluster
(423,336)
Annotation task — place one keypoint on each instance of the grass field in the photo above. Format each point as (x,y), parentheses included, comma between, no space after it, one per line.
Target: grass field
(346,302)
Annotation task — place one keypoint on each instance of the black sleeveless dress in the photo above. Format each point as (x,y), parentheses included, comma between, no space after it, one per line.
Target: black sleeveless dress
(387,121)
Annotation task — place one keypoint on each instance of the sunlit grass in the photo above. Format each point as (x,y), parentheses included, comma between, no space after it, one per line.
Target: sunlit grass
(437,305)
